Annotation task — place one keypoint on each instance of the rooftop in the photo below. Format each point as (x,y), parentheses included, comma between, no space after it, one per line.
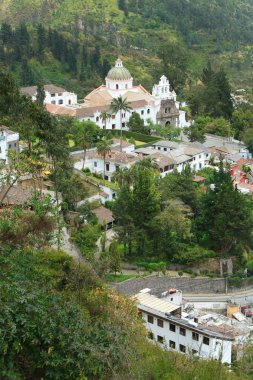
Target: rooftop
(16,195)
(103,214)
(151,302)
(31,90)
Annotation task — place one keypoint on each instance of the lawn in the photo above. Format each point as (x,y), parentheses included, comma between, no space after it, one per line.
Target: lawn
(119,277)
(102,182)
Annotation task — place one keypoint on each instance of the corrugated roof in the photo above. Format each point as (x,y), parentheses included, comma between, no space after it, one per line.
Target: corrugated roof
(157,304)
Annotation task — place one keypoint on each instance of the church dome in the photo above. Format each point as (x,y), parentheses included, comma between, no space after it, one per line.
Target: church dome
(119,72)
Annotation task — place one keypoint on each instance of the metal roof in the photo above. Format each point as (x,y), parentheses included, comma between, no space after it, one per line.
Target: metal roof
(157,304)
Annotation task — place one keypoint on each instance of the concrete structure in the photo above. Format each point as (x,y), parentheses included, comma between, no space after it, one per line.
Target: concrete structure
(179,331)
(9,140)
(53,95)
(184,328)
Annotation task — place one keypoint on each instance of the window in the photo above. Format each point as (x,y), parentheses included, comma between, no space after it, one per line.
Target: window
(142,112)
(195,336)
(200,156)
(150,335)
(165,149)
(106,177)
(159,322)
(117,86)
(148,111)
(113,126)
(60,101)
(160,338)
(15,144)
(182,331)
(206,340)
(69,101)
(172,344)
(166,110)
(182,348)
(150,319)
(126,86)
(60,94)
(172,327)
(123,125)
(52,95)
(97,118)
(9,146)
(107,167)
(159,148)
(113,117)
(53,102)
(95,164)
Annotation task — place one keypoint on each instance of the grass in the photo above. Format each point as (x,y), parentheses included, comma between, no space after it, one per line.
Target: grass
(102,182)
(119,277)
(110,277)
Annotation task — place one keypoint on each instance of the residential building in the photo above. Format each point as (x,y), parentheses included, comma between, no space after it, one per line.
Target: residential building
(9,140)
(53,95)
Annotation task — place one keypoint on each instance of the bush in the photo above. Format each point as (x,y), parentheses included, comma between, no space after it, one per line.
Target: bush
(153,266)
(180,273)
(235,281)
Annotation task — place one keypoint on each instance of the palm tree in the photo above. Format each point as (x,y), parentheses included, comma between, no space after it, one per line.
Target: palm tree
(85,134)
(118,105)
(104,116)
(103,148)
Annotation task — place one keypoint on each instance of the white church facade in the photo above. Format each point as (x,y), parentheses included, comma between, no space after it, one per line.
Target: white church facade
(160,107)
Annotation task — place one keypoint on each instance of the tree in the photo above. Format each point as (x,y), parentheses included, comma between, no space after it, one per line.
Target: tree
(85,135)
(104,116)
(118,105)
(242,119)
(195,133)
(40,96)
(136,124)
(123,214)
(247,138)
(114,257)
(213,96)
(224,217)
(174,61)
(103,148)
(179,185)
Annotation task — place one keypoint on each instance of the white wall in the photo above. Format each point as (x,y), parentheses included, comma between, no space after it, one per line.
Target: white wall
(217,349)
(8,141)
(64,98)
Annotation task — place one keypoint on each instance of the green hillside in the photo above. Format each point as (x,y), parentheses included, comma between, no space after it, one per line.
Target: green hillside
(220,31)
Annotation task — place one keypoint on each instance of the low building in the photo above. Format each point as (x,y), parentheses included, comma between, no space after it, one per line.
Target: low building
(53,95)
(104,216)
(204,335)
(9,140)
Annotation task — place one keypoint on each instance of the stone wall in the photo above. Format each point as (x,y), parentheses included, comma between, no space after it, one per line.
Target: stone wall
(159,284)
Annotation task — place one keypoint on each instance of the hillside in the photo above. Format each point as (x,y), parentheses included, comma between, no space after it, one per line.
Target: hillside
(220,31)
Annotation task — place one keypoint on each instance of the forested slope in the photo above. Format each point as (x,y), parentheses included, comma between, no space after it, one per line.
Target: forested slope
(138,31)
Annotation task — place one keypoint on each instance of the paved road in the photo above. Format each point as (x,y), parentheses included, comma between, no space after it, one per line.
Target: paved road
(242,296)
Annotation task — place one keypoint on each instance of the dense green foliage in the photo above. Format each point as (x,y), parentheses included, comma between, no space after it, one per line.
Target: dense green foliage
(76,46)
(174,219)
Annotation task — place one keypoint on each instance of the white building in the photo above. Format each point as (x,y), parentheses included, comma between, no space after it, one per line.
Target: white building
(166,324)
(53,95)
(9,140)
(194,154)
(159,107)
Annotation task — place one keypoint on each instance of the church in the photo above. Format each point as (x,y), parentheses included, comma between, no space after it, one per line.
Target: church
(160,107)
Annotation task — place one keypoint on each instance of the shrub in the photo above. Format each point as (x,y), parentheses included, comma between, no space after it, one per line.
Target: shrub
(235,281)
